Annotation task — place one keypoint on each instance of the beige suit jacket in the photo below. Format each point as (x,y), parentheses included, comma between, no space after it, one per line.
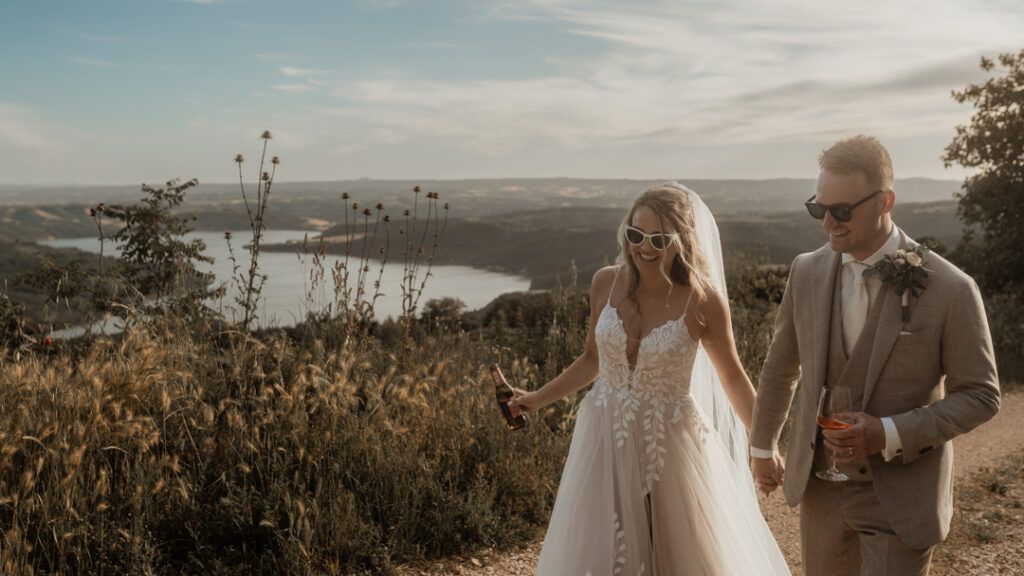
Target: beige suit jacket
(935,376)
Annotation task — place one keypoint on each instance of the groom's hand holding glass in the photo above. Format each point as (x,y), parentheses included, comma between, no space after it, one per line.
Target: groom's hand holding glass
(864,437)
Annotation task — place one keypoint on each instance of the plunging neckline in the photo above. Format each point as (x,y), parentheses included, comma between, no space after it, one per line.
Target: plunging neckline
(664,324)
(670,322)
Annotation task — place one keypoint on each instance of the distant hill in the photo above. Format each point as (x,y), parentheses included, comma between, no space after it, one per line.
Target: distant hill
(531,226)
(31,223)
(322,200)
(544,244)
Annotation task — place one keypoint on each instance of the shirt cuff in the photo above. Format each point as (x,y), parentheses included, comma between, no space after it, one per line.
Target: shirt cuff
(893,444)
(761,453)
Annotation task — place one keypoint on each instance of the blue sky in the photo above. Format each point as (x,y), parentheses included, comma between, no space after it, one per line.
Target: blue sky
(126,91)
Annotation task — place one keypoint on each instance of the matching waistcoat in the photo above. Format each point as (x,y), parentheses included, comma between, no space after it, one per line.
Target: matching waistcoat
(849,371)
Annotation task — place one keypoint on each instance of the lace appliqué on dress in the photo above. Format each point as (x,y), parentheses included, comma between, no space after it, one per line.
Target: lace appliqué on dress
(654,393)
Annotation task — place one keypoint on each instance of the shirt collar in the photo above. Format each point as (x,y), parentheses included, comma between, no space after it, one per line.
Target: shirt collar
(891,245)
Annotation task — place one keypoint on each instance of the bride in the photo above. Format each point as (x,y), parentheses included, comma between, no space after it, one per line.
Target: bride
(656,481)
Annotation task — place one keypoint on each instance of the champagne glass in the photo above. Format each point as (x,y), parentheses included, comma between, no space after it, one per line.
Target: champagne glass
(833,401)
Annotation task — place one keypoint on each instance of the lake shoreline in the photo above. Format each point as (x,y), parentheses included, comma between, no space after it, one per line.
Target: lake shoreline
(295,286)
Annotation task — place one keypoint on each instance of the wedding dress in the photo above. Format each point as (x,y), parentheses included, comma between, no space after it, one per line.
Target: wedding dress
(651,485)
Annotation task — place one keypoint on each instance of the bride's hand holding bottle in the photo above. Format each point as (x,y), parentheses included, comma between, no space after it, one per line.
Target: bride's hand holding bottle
(526,401)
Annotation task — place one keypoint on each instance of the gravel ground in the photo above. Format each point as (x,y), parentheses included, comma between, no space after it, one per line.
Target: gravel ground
(988,446)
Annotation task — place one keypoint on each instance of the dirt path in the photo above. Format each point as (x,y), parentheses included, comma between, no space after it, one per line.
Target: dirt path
(983,447)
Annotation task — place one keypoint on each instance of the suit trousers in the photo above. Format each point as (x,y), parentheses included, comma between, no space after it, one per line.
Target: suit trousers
(843,532)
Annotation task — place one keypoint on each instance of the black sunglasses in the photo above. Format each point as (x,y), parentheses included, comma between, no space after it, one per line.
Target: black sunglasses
(841,212)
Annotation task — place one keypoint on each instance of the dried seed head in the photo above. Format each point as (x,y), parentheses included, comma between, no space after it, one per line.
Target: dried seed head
(367,212)
(275,160)
(345,196)
(420,250)
(387,218)
(366,268)
(445,205)
(355,205)
(227,235)
(406,211)
(416,189)
(381,249)
(239,158)
(266,135)
(380,206)
(266,176)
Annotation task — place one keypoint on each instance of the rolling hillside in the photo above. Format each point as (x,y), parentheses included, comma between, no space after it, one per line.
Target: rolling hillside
(543,244)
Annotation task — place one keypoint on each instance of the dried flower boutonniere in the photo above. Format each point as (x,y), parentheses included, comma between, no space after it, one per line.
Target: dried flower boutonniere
(905,270)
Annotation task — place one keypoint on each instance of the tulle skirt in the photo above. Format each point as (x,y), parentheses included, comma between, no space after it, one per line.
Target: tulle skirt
(648,489)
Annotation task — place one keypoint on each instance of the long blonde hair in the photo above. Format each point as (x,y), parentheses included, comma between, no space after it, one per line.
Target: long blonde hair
(675,215)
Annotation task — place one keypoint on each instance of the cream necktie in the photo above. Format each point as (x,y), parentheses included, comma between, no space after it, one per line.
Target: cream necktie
(855,309)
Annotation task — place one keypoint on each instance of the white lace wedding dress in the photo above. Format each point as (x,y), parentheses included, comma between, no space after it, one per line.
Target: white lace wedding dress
(648,487)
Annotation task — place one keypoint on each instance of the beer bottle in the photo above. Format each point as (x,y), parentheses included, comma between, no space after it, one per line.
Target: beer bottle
(514,417)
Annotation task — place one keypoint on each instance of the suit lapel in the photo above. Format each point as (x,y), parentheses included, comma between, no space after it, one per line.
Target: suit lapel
(821,313)
(888,330)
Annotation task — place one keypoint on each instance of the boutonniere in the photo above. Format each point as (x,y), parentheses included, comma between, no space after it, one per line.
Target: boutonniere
(905,270)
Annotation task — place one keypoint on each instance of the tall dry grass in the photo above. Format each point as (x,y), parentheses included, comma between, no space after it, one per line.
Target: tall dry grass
(186,449)
(176,450)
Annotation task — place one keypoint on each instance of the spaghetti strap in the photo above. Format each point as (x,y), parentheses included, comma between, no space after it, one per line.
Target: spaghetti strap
(686,309)
(612,289)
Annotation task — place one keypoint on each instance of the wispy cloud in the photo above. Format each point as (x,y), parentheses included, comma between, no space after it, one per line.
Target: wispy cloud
(512,116)
(441,45)
(293,72)
(22,128)
(244,25)
(539,87)
(376,4)
(107,39)
(95,63)
(294,88)
(684,72)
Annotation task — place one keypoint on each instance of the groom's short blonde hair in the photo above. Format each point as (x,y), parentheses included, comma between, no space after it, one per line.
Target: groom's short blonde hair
(864,154)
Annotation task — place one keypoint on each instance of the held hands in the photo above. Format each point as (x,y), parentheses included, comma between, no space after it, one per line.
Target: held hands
(864,437)
(768,472)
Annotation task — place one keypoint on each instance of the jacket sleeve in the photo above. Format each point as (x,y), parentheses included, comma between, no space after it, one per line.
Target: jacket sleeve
(779,374)
(971,381)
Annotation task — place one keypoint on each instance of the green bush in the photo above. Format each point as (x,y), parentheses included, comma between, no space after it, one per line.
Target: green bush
(1006,323)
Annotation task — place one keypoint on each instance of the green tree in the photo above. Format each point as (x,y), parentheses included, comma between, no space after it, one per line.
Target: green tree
(992,200)
(157,262)
(443,313)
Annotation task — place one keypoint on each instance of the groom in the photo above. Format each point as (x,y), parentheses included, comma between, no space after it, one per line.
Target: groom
(916,382)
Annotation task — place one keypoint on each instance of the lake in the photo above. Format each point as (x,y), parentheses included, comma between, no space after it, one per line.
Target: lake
(288,293)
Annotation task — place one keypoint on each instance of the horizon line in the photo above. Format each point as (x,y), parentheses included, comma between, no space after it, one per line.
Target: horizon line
(456,179)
